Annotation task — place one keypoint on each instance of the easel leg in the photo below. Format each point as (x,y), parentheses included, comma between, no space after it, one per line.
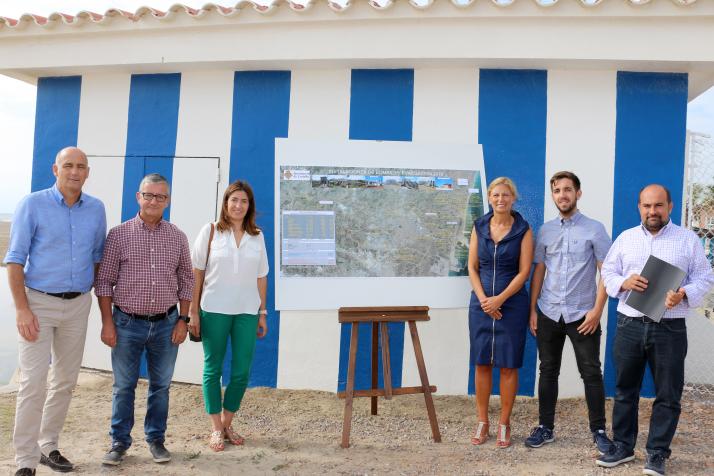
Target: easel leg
(375,364)
(349,391)
(386,362)
(424,382)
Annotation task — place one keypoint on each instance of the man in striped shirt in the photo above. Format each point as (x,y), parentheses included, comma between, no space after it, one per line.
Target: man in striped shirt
(146,269)
(640,340)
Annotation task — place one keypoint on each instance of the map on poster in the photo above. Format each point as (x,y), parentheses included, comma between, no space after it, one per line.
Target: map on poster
(376,222)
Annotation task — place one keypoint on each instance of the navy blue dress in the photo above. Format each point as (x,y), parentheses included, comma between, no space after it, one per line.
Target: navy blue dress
(499,342)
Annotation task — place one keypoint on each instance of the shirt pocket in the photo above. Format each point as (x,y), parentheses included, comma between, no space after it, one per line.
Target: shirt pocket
(579,249)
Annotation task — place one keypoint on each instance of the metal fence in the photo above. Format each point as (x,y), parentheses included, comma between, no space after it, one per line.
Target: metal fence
(698,215)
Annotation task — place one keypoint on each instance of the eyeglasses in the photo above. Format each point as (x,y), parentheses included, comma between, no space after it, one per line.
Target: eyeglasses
(150,196)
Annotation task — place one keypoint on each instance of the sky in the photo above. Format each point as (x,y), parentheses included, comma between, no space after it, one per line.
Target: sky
(17,99)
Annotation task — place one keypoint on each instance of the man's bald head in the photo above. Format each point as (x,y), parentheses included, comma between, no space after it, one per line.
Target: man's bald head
(655,188)
(74,152)
(655,205)
(71,169)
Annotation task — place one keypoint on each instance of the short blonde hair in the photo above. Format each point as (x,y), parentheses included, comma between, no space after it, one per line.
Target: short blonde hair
(503,181)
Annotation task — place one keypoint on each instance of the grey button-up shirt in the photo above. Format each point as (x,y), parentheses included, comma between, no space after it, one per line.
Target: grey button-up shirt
(570,249)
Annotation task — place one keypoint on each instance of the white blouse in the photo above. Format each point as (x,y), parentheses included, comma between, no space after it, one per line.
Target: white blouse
(230,285)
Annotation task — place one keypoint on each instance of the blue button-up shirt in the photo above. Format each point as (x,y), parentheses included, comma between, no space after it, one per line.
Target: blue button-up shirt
(570,249)
(58,245)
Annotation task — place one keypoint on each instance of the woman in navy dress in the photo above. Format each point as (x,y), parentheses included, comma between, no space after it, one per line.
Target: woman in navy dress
(500,257)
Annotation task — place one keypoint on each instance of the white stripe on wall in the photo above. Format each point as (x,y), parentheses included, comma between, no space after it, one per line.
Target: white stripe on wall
(445,110)
(581,138)
(309,346)
(103,112)
(204,130)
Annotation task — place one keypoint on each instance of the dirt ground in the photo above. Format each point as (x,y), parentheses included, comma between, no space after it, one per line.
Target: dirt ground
(4,237)
(298,432)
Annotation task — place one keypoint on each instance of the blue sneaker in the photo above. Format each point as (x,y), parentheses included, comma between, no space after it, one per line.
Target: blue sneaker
(602,442)
(654,466)
(618,454)
(540,436)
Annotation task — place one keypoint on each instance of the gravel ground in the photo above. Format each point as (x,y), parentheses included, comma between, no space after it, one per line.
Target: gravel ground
(298,432)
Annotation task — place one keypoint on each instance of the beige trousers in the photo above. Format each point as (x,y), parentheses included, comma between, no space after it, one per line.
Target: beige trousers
(42,403)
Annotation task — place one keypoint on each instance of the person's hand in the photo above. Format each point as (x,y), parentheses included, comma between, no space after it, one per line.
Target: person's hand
(27,324)
(589,325)
(635,283)
(262,326)
(491,305)
(673,299)
(533,323)
(179,333)
(194,325)
(109,334)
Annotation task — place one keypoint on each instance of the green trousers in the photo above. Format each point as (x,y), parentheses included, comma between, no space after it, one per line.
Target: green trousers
(215,330)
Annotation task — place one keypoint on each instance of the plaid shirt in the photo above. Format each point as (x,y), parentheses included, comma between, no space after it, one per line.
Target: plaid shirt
(145,271)
(673,244)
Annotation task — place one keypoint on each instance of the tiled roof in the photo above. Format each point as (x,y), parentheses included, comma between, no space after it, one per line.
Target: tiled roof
(114,14)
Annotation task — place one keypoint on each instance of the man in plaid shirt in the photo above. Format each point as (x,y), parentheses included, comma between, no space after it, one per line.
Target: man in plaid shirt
(145,270)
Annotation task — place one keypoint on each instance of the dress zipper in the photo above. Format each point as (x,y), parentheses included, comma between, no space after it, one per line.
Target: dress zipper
(493,293)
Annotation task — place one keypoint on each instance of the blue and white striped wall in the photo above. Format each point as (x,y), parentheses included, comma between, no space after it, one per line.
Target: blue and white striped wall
(617,130)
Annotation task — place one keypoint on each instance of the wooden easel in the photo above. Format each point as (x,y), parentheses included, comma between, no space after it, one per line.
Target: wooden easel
(379,317)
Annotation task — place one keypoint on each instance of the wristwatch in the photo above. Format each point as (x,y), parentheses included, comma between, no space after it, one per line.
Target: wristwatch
(185,319)
(263,312)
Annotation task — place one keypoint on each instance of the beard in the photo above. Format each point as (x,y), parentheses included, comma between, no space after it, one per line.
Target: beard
(654,223)
(566,208)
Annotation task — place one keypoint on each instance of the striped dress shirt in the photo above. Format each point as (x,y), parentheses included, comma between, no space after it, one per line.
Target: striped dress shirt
(145,270)
(677,246)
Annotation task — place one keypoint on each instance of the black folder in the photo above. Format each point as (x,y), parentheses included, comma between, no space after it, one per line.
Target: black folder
(661,277)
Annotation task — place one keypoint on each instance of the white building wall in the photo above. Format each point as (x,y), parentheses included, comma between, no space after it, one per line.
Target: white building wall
(445,110)
(309,346)
(580,137)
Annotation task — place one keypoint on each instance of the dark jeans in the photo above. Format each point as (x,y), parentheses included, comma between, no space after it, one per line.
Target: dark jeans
(663,346)
(135,336)
(551,339)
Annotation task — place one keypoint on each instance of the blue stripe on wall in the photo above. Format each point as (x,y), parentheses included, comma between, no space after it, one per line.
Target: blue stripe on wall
(381,104)
(261,106)
(649,148)
(381,108)
(56,125)
(151,134)
(512,130)
(150,140)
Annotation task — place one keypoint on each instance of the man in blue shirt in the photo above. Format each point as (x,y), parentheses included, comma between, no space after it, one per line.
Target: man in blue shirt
(56,242)
(567,302)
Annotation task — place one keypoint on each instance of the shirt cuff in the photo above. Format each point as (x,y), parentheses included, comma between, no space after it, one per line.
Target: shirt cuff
(103,290)
(614,285)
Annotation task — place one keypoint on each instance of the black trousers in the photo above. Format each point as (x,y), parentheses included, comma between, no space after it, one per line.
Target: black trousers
(551,339)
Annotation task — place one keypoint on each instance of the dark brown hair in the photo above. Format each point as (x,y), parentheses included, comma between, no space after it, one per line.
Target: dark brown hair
(564,174)
(224,223)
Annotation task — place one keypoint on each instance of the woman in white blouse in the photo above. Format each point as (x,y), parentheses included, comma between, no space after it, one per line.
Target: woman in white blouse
(232,285)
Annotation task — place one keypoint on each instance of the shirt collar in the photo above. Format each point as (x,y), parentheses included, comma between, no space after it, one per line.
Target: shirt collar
(572,220)
(141,222)
(57,195)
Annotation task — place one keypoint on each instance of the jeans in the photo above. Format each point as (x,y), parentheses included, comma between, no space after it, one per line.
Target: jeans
(134,336)
(663,346)
(551,339)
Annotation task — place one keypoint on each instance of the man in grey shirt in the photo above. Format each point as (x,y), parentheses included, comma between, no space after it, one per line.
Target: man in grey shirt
(566,301)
